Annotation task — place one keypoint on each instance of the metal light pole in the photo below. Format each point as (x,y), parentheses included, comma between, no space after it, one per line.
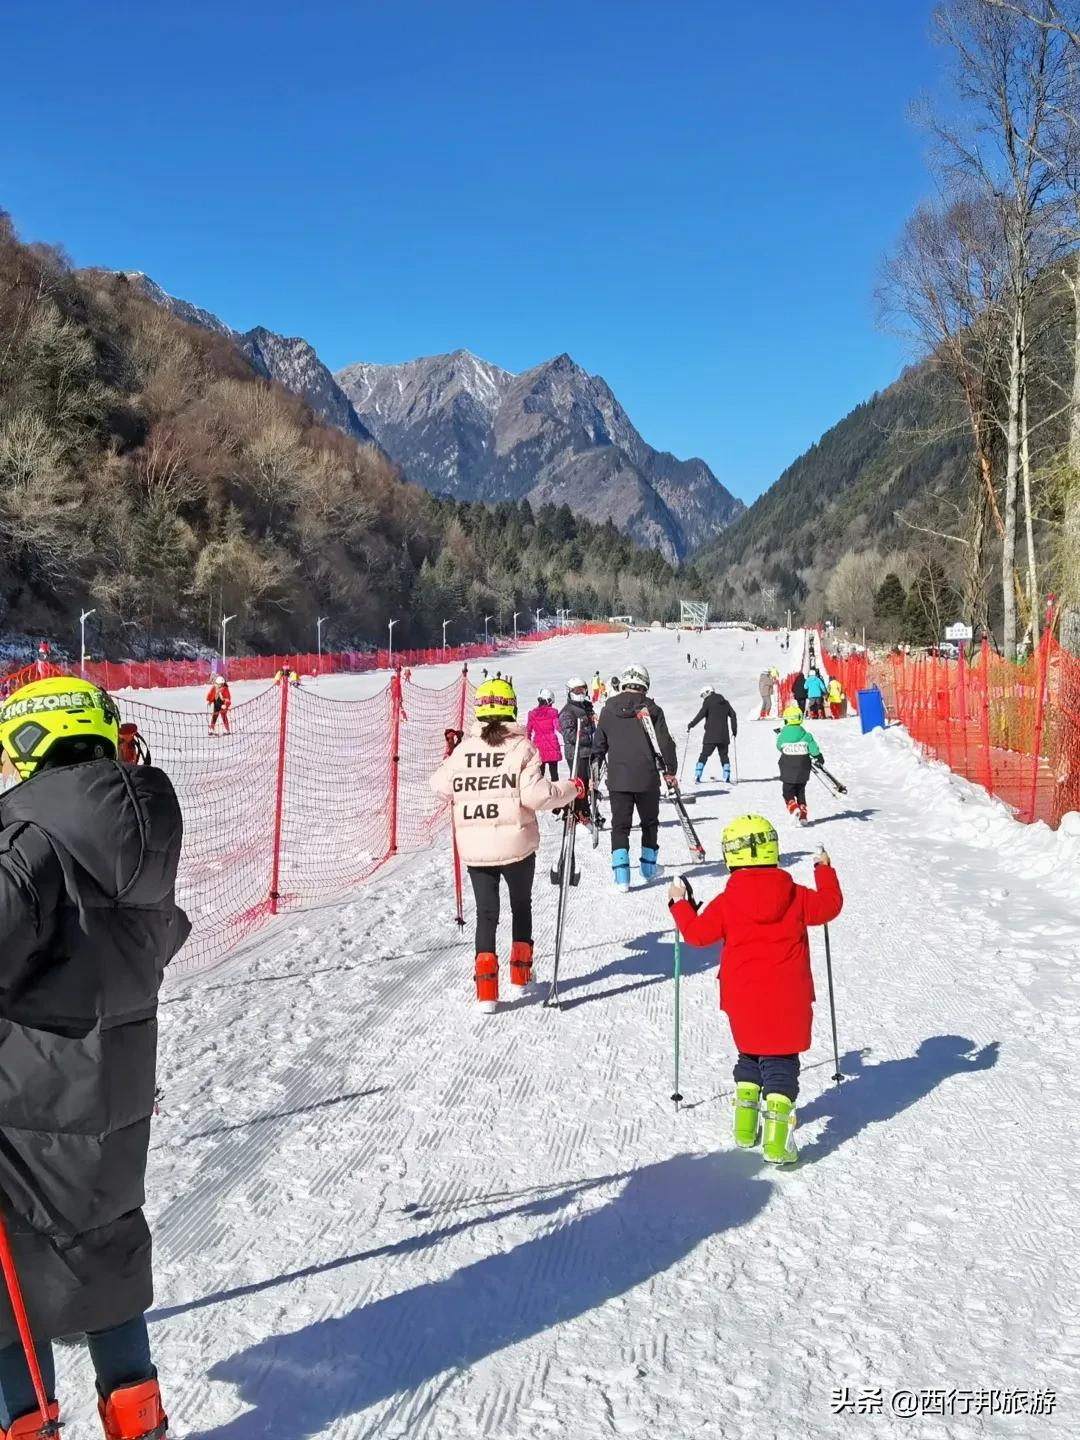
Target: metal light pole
(224,629)
(390,651)
(445,623)
(516,614)
(82,640)
(538,614)
(319,623)
(486,619)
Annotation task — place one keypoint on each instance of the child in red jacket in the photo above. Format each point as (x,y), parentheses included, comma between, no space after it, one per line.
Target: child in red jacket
(766,984)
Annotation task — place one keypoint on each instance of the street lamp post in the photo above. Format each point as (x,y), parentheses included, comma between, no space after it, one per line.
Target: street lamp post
(224,631)
(82,640)
(445,623)
(487,618)
(390,651)
(538,614)
(319,623)
(516,614)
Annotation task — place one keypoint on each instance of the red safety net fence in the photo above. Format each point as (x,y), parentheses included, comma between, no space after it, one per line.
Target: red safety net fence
(168,674)
(300,802)
(1012,728)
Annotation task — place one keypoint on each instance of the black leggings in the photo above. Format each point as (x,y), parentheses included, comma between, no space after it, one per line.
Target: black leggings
(776,1074)
(795,792)
(550,768)
(708,746)
(485,884)
(623,803)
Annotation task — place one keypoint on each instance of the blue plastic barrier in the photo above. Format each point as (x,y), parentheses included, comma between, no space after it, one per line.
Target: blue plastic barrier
(871,710)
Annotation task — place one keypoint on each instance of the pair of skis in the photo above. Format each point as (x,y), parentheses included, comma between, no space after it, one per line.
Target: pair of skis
(674,794)
(829,780)
(565,874)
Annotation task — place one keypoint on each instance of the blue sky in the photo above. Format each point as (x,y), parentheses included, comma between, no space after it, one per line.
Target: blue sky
(691,197)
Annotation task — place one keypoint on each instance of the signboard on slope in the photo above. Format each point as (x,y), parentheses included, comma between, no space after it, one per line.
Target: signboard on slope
(959,631)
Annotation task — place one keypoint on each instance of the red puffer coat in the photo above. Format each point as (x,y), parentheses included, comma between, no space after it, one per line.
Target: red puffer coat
(766,984)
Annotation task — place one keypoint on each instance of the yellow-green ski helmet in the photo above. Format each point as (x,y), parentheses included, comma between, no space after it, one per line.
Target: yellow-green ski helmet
(495,700)
(750,840)
(60,721)
(792,715)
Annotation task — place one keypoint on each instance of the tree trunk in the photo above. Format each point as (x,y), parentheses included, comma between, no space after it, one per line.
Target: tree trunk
(1029,519)
(1012,473)
(1070,615)
(975,606)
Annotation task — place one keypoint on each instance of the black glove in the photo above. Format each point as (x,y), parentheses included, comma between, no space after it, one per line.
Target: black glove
(819,762)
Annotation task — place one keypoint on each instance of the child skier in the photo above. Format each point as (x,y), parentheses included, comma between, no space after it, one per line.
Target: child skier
(798,750)
(89,848)
(721,726)
(816,690)
(219,701)
(766,984)
(495,781)
(632,778)
(542,728)
(599,690)
(836,698)
(768,682)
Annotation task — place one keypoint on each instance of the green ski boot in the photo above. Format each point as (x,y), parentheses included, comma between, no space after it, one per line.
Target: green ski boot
(747,1114)
(779,1147)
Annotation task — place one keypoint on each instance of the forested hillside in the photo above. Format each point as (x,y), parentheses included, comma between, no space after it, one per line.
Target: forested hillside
(149,472)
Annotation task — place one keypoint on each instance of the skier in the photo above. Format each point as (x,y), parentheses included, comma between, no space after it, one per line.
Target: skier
(766,686)
(766,984)
(88,921)
(836,698)
(599,690)
(219,701)
(542,728)
(495,781)
(798,690)
(816,690)
(798,749)
(578,707)
(633,779)
(721,726)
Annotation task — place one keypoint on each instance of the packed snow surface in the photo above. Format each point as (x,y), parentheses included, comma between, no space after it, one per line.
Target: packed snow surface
(378,1213)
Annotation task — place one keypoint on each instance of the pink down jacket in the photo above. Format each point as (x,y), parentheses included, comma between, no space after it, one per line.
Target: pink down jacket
(496,791)
(542,728)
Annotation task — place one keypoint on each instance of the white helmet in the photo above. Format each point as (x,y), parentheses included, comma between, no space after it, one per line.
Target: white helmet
(546,695)
(705,690)
(574,684)
(635,677)
(219,679)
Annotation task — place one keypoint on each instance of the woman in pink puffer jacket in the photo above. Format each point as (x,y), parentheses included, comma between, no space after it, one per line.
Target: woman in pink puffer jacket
(495,782)
(542,728)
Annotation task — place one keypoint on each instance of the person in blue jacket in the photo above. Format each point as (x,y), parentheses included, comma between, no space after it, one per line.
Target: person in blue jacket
(816,690)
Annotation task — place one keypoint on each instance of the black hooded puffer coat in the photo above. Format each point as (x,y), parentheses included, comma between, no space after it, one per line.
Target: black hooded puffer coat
(88,922)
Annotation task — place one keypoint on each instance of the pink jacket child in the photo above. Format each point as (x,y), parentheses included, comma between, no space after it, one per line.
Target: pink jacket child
(495,790)
(542,728)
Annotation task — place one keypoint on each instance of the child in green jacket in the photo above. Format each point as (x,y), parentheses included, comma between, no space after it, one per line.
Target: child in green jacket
(798,750)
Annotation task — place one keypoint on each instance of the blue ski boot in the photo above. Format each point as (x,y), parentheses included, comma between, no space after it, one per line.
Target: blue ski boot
(699,770)
(620,865)
(649,868)
(727,774)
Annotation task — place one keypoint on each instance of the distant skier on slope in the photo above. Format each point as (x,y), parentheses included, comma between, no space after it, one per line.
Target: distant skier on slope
(836,698)
(542,728)
(766,983)
(798,750)
(495,781)
(88,922)
(219,703)
(798,690)
(721,727)
(580,707)
(599,690)
(633,780)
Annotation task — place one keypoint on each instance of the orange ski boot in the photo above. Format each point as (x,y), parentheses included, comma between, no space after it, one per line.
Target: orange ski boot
(487,981)
(134,1413)
(521,963)
(29,1427)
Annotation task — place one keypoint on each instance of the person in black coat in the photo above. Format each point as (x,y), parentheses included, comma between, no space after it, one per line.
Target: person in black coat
(632,777)
(721,727)
(798,691)
(89,849)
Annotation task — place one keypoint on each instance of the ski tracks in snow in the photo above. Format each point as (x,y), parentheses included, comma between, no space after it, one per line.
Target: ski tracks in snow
(379,1214)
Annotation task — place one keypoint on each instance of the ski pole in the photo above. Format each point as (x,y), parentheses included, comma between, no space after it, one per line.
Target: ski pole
(676,1094)
(14,1289)
(837,1077)
(685,752)
(735,757)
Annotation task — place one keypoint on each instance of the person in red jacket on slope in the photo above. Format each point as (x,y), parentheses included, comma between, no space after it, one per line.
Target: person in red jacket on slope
(766,984)
(219,702)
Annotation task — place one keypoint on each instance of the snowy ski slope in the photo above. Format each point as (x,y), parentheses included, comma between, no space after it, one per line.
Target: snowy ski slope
(380,1214)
